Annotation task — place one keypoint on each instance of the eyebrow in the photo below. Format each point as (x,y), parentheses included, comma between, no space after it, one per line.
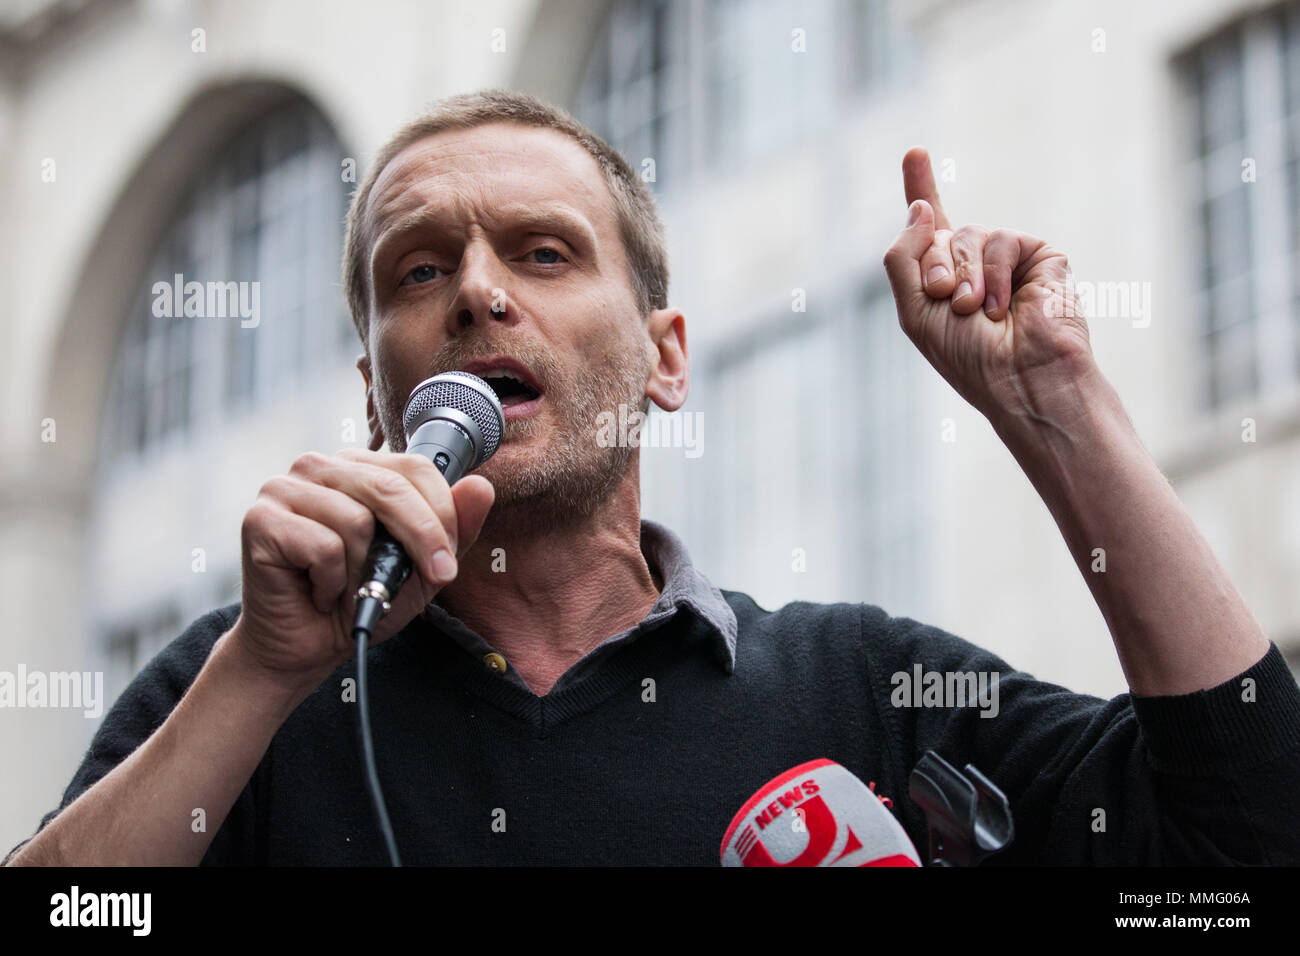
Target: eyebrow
(540,217)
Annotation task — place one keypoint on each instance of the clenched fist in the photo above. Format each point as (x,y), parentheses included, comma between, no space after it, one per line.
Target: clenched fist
(306,537)
(992,311)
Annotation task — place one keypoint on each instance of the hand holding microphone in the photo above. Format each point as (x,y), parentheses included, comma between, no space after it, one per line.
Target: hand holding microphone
(307,537)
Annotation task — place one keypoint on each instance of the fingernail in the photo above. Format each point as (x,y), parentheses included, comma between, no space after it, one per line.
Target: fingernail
(444,565)
(937,274)
(963,290)
(913,211)
(991,305)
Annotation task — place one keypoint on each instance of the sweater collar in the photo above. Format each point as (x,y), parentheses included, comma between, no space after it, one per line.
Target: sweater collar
(684,587)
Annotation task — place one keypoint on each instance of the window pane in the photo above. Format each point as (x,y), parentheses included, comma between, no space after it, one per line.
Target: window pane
(1232,352)
(1222,113)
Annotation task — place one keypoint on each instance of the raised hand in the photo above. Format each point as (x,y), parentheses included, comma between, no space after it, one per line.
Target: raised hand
(992,311)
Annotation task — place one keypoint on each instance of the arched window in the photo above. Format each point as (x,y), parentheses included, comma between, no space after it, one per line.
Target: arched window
(241,297)
(237,312)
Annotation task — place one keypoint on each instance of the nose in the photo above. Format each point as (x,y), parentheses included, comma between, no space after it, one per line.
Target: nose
(481,295)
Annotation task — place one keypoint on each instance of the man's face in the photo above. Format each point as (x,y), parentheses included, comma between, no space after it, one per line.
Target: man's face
(496,249)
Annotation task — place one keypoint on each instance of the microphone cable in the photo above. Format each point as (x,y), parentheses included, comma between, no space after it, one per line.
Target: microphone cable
(388,568)
(362,636)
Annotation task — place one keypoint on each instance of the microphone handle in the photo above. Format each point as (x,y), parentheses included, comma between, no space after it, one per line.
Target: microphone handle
(387,564)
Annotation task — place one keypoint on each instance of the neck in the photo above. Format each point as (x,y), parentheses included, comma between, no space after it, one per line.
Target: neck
(546,597)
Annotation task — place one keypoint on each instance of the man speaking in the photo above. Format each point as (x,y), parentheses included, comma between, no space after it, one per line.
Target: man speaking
(555,683)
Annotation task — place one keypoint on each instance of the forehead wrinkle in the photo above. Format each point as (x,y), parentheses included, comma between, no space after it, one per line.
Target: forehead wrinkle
(410,196)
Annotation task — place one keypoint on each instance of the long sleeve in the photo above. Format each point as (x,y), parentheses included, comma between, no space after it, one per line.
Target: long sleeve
(141,709)
(1206,778)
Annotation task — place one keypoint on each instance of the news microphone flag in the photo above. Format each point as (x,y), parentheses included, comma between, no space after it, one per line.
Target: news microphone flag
(817,814)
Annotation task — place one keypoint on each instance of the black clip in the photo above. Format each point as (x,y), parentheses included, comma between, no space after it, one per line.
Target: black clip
(968,817)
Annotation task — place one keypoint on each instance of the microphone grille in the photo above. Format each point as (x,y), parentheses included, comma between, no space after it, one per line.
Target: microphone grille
(467,394)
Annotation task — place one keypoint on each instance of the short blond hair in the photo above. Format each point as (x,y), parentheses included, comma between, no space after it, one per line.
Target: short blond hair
(635,210)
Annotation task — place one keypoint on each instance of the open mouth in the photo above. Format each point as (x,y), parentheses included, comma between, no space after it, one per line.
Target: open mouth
(510,390)
(514,385)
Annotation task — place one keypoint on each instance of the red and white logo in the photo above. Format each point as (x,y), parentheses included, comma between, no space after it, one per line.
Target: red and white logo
(818,814)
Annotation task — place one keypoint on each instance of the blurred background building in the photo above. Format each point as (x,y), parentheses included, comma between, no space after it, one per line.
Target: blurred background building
(1158,145)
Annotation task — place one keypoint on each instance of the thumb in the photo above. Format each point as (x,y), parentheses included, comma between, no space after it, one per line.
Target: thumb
(473,496)
(903,258)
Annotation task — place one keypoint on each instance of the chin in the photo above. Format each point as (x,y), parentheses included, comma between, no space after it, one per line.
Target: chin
(512,458)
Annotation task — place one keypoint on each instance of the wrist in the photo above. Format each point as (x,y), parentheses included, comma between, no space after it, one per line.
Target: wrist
(1051,429)
(278,689)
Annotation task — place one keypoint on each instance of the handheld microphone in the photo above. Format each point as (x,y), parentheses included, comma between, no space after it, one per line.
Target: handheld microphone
(455,420)
(817,814)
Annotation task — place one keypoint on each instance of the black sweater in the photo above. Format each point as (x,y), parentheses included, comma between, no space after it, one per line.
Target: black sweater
(477,770)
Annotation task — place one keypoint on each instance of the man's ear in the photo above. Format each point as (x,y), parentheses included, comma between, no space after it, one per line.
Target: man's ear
(670,375)
(372,417)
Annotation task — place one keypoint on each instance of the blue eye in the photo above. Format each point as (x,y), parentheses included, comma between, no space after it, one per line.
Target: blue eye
(420,274)
(550,251)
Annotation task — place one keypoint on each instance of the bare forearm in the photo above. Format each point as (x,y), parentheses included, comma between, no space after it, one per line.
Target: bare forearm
(142,813)
(1178,623)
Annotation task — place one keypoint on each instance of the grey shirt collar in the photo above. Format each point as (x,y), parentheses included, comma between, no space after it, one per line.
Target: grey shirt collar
(683,587)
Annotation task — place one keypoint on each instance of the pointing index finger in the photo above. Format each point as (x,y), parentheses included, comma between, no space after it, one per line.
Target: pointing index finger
(918,183)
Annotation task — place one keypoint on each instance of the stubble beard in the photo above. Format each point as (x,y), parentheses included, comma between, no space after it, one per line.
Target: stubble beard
(566,476)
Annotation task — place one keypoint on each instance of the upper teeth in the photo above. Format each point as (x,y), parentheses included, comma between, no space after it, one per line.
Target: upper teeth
(500,373)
